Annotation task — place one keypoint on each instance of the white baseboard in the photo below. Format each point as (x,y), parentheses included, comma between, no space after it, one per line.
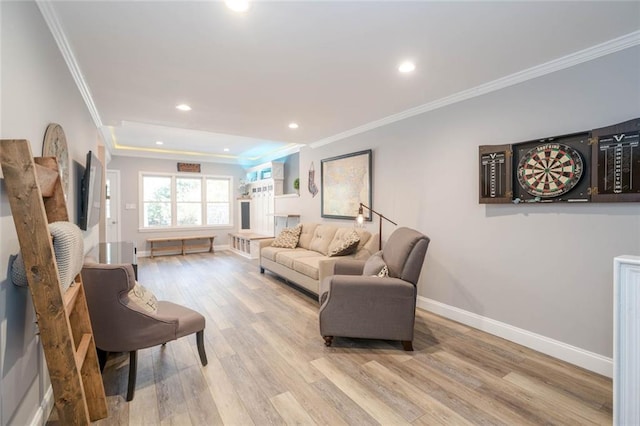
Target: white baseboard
(147,253)
(44,410)
(555,348)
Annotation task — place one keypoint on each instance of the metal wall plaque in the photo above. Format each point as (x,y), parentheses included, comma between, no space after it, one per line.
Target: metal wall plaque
(189,167)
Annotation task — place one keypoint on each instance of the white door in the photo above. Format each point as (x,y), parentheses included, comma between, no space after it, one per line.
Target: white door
(112,206)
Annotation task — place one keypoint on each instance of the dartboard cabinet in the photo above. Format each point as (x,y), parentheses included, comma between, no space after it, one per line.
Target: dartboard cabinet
(599,165)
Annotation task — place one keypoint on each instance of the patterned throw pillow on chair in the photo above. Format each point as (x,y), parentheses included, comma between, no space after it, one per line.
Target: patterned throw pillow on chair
(288,237)
(144,298)
(384,272)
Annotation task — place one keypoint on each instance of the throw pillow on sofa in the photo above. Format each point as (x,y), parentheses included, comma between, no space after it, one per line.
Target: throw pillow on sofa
(375,266)
(344,243)
(288,237)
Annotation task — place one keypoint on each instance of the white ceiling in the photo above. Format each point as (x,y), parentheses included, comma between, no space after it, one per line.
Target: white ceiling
(330,66)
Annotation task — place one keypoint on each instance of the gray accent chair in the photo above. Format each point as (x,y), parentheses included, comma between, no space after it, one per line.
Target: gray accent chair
(120,325)
(364,306)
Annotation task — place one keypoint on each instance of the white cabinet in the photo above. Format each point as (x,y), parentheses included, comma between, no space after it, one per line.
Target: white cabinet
(265,182)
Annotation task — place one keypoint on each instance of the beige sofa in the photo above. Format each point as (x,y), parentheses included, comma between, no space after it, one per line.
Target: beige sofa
(308,263)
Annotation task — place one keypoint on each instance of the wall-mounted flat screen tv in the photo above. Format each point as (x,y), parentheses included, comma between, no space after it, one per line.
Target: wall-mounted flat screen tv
(90,193)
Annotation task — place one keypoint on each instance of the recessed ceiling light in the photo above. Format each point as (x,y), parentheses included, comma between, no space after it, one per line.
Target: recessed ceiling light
(183,107)
(237,5)
(293,125)
(406,66)
(159,143)
(226,150)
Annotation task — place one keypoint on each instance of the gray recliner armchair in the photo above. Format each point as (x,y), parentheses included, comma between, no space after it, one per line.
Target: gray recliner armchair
(357,302)
(122,325)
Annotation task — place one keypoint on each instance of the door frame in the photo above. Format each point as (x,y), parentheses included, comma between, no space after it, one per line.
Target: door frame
(116,206)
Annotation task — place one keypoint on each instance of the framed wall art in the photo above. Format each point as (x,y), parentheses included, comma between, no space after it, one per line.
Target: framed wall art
(345,182)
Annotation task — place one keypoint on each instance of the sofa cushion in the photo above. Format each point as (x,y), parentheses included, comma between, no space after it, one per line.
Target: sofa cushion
(322,238)
(374,265)
(270,252)
(306,235)
(308,266)
(286,258)
(288,237)
(344,242)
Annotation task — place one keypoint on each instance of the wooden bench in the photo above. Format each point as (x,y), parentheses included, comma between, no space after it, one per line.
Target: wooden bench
(183,246)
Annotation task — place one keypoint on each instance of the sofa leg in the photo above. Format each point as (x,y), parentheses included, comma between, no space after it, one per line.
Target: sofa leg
(261,270)
(328,340)
(133,370)
(201,352)
(407,345)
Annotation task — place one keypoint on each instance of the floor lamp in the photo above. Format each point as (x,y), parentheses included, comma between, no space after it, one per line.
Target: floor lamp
(360,221)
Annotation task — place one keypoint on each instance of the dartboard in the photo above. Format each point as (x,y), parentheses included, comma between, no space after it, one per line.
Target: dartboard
(550,170)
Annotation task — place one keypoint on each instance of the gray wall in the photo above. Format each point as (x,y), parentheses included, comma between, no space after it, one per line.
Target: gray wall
(130,167)
(291,171)
(543,268)
(36,89)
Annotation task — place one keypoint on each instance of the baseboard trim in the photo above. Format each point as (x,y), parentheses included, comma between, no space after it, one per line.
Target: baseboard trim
(44,410)
(555,348)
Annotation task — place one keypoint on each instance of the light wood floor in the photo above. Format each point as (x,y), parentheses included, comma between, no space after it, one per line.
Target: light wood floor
(268,365)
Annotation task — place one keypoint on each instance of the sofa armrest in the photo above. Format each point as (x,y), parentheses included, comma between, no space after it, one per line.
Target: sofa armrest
(266,242)
(361,287)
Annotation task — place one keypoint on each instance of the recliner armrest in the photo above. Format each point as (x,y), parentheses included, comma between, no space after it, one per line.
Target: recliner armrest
(354,289)
(348,267)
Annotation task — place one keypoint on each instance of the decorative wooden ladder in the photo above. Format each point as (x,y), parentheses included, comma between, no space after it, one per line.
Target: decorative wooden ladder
(36,197)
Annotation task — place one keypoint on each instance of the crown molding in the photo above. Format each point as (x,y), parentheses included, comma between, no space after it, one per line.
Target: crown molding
(576,58)
(51,18)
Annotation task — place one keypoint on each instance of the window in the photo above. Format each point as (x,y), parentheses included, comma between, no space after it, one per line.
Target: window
(179,201)
(189,201)
(218,201)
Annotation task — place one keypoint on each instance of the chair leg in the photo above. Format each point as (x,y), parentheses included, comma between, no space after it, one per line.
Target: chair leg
(201,352)
(133,370)
(407,345)
(328,340)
